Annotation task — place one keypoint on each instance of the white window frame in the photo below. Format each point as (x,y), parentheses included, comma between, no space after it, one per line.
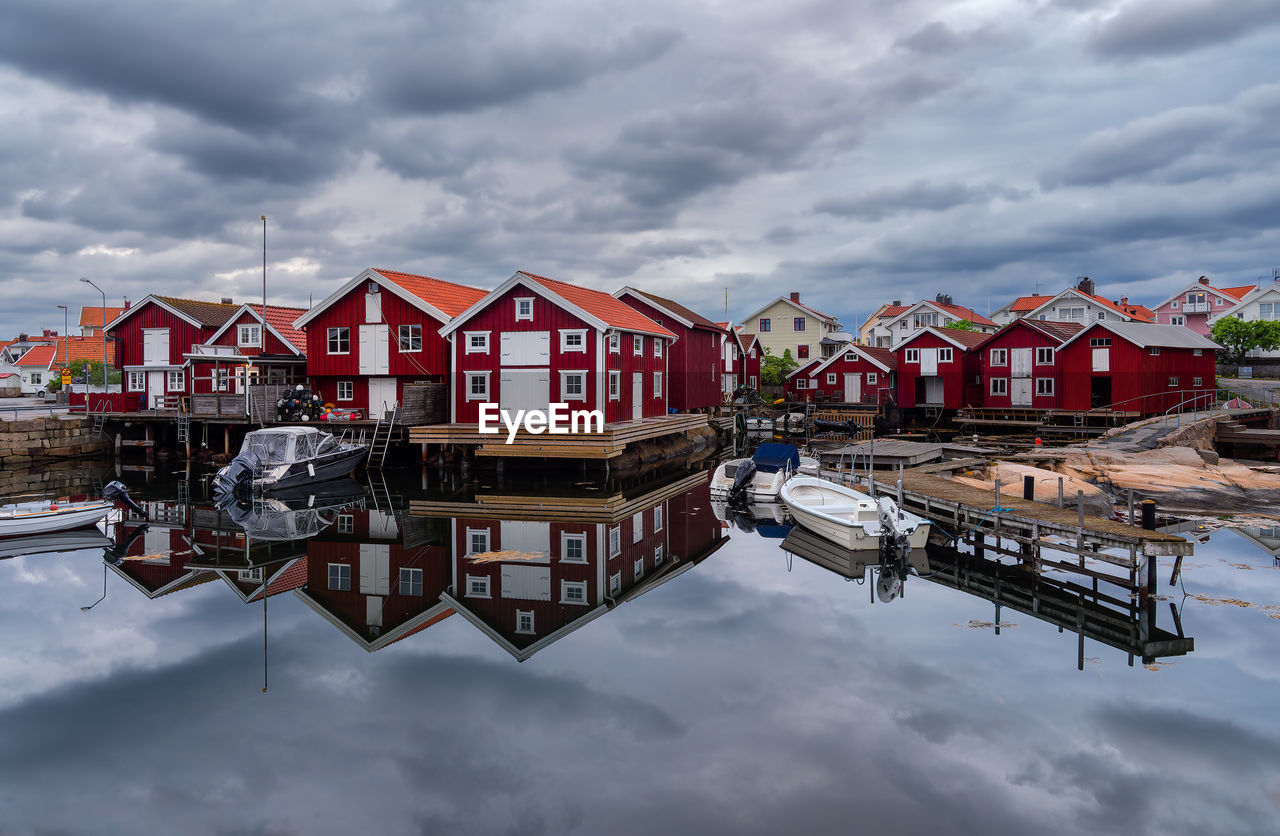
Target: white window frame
(137,381)
(477,586)
(1041,353)
(520,302)
(615,385)
(565,395)
(615,344)
(334,334)
(872,378)
(567,537)
(615,583)
(221,379)
(566,333)
(1154,351)
(637,527)
(340,577)
(350,386)
(471,377)
(911,355)
(170,376)
(346,524)
(658,557)
(520,628)
(1102,314)
(253,575)
(998,357)
(1197,352)
(1197,381)
(637,568)
(1044,387)
(657,347)
(249,334)
(615,541)
(414,577)
(1177,320)
(831,378)
(657,518)
(946,355)
(637,345)
(999,386)
(1173,382)
(657,384)
(470,544)
(470,338)
(565,586)
(408,329)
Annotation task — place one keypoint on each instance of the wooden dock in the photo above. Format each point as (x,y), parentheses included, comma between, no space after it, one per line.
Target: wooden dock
(594,446)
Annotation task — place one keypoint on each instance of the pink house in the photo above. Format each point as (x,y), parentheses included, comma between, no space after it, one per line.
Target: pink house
(1196,303)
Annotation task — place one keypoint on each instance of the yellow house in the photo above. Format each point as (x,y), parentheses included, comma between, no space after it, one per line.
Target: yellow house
(786,323)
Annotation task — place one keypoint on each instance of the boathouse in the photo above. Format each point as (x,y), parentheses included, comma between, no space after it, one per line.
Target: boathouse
(250,348)
(752,354)
(1135,367)
(857,374)
(939,368)
(694,358)
(1021,365)
(378,332)
(155,335)
(533,341)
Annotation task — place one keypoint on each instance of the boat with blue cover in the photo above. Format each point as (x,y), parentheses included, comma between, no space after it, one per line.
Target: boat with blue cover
(760,477)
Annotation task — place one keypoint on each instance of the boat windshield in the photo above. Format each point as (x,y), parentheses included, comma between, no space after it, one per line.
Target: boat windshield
(286,446)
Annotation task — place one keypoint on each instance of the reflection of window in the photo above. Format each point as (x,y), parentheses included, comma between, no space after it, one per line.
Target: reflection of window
(477,541)
(573,548)
(638,568)
(346,390)
(524,621)
(410,581)
(615,541)
(339,340)
(339,577)
(477,586)
(410,338)
(637,526)
(573,592)
(615,583)
(252,575)
(657,518)
(657,556)
(346,524)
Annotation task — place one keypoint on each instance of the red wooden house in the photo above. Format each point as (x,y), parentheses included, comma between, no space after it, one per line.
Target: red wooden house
(1135,367)
(1021,365)
(939,368)
(269,348)
(533,341)
(694,358)
(730,359)
(156,335)
(752,353)
(856,374)
(379,331)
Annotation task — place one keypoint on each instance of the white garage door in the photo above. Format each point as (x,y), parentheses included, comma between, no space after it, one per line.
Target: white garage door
(530,538)
(525,348)
(527,583)
(524,389)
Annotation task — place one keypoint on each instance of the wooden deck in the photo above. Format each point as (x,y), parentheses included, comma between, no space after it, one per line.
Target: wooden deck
(602,445)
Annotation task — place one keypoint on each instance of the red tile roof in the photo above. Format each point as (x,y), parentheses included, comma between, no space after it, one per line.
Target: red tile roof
(1136,313)
(813,311)
(1059,331)
(449,298)
(82,348)
(92,317)
(1024,304)
(890,311)
(295,577)
(1237,292)
(424,625)
(958,311)
(1140,312)
(282,320)
(882,355)
(38,356)
(613,312)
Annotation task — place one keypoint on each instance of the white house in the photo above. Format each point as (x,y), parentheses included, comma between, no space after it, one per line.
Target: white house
(1263,302)
(899,323)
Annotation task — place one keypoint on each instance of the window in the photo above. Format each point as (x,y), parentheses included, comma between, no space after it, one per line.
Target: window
(249,335)
(176,380)
(637,345)
(1173,381)
(802,383)
(573,340)
(798,323)
(573,548)
(1154,351)
(573,592)
(912,355)
(477,541)
(1174,305)
(613,344)
(615,385)
(657,347)
(1197,352)
(410,338)
(831,378)
(346,524)
(1102,314)
(1074,314)
(999,357)
(657,384)
(1219,301)
(765,324)
(411,582)
(1268,310)
(872,378)
(477,586)
(137,381)
(1099,342)
(803,352)
(221,380)
(346,390)
(477,386)
(637,526)
(573,386)
(657,518)
(637,568)
(1197,381)
(657,556)
(340,340)
(945,355)
(615,583)
(1044,386)
(340,577)
(524,308)
(924,319)
(615,541)
(902,325)
(999,386)
(754,382)
(1177,320)
(477,342)
(36,377)
(524,621)
(251,575)
(1044,356)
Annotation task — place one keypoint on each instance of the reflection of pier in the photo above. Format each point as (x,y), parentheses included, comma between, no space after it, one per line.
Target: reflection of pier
(608,444)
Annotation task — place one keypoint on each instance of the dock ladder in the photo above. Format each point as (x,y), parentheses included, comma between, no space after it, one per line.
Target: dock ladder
(100,418)
(382,438)
(184,427)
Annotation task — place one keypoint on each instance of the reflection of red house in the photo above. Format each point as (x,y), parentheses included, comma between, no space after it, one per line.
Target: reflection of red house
(1021,366)
(379,331)
(856,374)
(1135,366)
(535,341)
(939,368)
(157,563)
(694,358)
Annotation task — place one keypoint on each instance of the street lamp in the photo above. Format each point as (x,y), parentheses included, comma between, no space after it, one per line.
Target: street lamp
(65,353)
(104,589)
(106,390)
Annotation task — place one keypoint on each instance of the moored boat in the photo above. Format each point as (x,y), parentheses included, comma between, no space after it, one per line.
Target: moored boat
(287,457)
(850,518)
(40,517)
(760,477)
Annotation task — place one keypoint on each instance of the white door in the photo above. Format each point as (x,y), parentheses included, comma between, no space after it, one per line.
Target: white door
(928,362)
(382,396)
(637,396)
(382,525)
(524,389)
(524,348)
(526,583)
(528,538)
(1102,359)
(853,388)
(155,388)
(373,611)
(1020,362)
(1021,391)
(374,349)
(375,569)
(934,392)
(155,346)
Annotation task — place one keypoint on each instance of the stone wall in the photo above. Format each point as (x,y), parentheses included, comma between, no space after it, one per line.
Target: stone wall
(35,440)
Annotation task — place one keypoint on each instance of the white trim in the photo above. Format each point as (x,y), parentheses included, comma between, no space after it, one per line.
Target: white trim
(787,299)
(568,332)
(1110,307)
(467,593)
(1196,287)
(251,310)
(466,384)
(940,332)
(351,392)
(467,335)
(371,275)
(133,309)
(615,392)
(400,328)
(564,588)
(565,537)
(327,339)
(564,396)
(641,297)
(851,347)
(1186,335)
(519,317)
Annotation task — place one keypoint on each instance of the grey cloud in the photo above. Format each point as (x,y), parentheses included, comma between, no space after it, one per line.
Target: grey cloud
(1166,27)
(921,195)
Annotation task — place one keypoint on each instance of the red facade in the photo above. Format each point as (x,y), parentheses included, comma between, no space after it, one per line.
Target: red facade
(693,360)
(274,360)
(752,356)
(939,371)
(166,374)
(1131,377)
(849,376)
(1021,365)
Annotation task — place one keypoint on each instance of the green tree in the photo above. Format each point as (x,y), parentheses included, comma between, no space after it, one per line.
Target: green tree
(961,325)
(94,367)
(774,370)
(1237,336)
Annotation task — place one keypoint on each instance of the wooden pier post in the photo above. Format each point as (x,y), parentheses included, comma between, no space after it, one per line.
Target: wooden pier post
(1149,514)
(1029,488)
(1060,492)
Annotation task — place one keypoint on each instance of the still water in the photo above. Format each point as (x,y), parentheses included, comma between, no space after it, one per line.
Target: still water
(659,672)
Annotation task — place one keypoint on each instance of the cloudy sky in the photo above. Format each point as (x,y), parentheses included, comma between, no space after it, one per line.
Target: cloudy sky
(856,151)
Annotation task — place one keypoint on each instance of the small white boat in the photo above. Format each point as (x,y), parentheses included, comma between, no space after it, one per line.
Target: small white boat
(50,515)
(759,425)
(759,478)
(850,518)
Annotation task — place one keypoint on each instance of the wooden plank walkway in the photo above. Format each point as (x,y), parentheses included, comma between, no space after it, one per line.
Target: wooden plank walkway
(602,445)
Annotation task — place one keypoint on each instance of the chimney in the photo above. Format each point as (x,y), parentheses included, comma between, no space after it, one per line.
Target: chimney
(1085,285)
(226,300)
(795,296)
(127,303)
(1124,300)
(1204,280)
(897,303)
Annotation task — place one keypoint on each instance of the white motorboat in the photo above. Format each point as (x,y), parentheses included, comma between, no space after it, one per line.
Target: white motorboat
(278,458)
(759,478)
(850,518)
(756,424)
(40,517)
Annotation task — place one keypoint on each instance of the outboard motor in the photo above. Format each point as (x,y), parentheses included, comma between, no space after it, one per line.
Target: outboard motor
(236,479)
(742,478)
(118,493)
(115,554)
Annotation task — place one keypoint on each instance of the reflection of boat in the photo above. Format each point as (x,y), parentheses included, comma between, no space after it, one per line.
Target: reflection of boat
(791,422)
(294,514)
(768,519)
(893,567)
(50,515)
(286,457)
(756,424)
(759,478)
(850,518)
(54,542)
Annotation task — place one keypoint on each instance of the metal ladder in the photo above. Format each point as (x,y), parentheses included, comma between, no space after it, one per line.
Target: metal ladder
(100,419)
(379,492)
(184,427)
(382,438)
(184,492)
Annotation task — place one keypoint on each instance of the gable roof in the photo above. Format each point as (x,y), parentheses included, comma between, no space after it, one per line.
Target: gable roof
(1255,293)
(195,311)
(798,305)
(440,299)
(958,311)
(746,338)
(83,348)
(806,368)
(1137,312)
(963,340)
(882,357)
(687,317)
(1026,304)
(92,317)
(596,307)
(1238,292)
(38,356)
(1060,331)
(1146,334)
(279,321)
(1232,294)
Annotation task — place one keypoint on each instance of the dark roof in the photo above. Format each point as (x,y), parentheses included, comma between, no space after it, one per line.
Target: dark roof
(882,355)
(969,338)
(679,310)
(1060,331)
(210,314)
